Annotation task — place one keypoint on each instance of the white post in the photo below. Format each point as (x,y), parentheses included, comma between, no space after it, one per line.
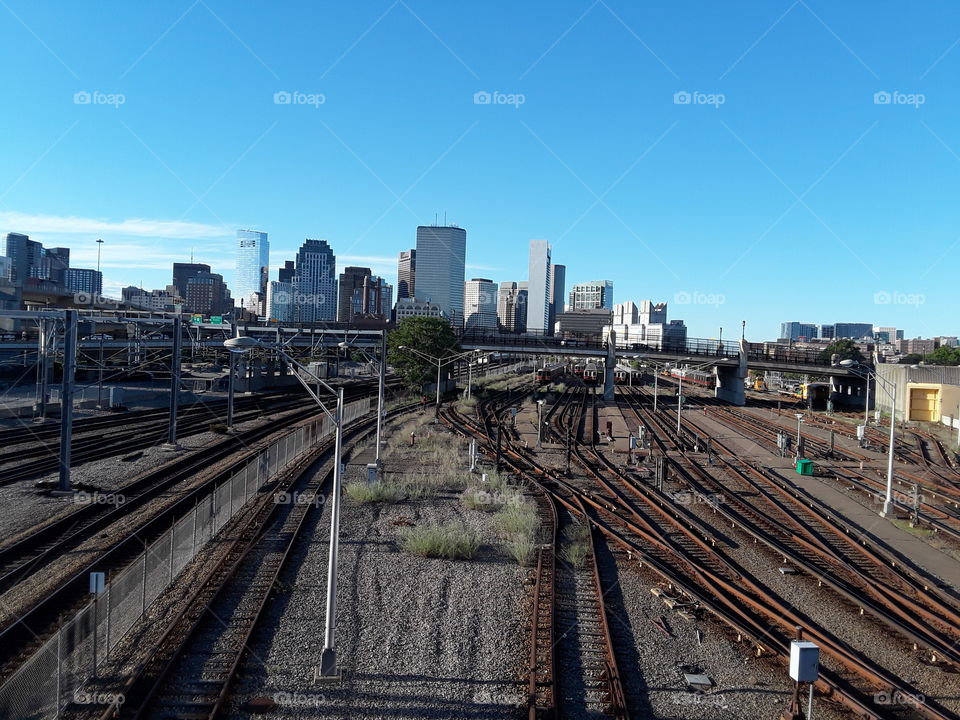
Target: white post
(436,413)
(679,404)
(888,506)
(380,388)
(656,388)
(328,658)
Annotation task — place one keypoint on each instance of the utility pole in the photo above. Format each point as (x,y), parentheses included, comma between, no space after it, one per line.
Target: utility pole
(66,396)
(174,384)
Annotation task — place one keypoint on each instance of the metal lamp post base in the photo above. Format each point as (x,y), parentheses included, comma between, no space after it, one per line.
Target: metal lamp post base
(328,666)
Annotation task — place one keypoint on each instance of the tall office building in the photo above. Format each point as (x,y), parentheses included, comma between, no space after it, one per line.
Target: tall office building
(651,313)
(351,279)
(798,331)
(24,254)
(52,266)
(826,332)
(280,301)
(183,272)
(373,298)
(855,331)
(407,274)
(441,257)
(81,280)
(480,304)
(286,273)
(512,306)
(253,267)
(593,295)
(207,294)
(539,295)
(315,283)
(558,284)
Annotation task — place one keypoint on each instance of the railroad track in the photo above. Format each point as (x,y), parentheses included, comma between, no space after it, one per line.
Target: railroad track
(214,627)
(669,541)
(27,630)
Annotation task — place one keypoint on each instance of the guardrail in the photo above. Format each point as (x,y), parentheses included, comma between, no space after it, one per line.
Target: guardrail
(56,674)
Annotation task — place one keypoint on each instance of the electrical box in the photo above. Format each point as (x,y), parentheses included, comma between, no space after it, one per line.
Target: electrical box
(860,432)
(633,443)
(97,582)
(804,661)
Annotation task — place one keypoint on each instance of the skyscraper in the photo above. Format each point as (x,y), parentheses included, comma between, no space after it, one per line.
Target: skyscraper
(253,265)
(183,272)
(351,279)
(480,304)
(539,294)
(512,306)
(24,254)
(315,283)
(441,256)
(286,273)
(406,274)
(558,283)
(280,301)
(82,280)
(593,295)
(798,331)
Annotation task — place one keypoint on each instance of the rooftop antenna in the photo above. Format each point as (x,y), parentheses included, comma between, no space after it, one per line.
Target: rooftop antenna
(444,217)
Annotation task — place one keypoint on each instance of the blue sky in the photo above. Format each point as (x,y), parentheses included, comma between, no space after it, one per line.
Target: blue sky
(778,185)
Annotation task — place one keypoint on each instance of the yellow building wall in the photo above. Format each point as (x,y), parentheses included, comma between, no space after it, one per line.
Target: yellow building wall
(947,399)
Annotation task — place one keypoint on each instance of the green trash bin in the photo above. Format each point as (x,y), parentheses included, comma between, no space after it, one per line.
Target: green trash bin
(804,467)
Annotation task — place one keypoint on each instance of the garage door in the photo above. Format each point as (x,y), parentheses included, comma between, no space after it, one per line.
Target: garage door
(923,405)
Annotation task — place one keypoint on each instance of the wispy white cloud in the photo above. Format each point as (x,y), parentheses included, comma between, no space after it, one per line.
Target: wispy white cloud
(138,227)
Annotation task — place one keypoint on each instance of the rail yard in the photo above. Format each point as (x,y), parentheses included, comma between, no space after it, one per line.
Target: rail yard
(530,550)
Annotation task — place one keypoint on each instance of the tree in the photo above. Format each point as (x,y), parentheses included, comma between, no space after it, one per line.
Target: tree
(844,349)
(945,355)
(431,336)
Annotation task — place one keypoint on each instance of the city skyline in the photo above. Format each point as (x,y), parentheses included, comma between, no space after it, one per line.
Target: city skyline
(712,171)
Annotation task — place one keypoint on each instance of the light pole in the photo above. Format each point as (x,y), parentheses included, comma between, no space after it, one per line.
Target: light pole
(328,658)
(440,362)
(93,294)
(891,388)
(679,404)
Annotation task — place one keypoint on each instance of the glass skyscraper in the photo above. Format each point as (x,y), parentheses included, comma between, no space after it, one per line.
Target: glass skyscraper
(441,257)
(539,292)
(253,265)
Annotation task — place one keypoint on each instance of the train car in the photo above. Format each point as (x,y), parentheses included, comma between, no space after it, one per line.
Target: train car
(759,384)
(549,373)
(625,376)
(697,377)
(815,395)
(591,373)
(578,370)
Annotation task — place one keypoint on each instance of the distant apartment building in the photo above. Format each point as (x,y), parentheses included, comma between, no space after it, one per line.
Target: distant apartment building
(156,300)
(6,268)
(82,280)
(279,301)
(593,295)
(407,274)
(351,279)
(411,307)
(253,267)
(52,266)
(646,324)
(827,332)
(373,299)
(539,293)
(315,283)
(440,262)
(480,304)
(651,313)
(916,346)
(947,341)
(584,324)
(24,254)
(798,331)
(512,306)
(558,286)
(207,294)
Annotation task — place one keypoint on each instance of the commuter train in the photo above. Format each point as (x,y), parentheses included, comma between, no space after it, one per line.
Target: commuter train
(626,376)
(578,370)
(814,394)
(697,377)
(548,373)
(591,373)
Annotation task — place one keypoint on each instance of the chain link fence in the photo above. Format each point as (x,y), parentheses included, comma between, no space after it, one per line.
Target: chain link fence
(56,674)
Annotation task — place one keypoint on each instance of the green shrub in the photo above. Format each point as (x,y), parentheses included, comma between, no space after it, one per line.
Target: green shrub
(517,520)
(451,541)
(217,427)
